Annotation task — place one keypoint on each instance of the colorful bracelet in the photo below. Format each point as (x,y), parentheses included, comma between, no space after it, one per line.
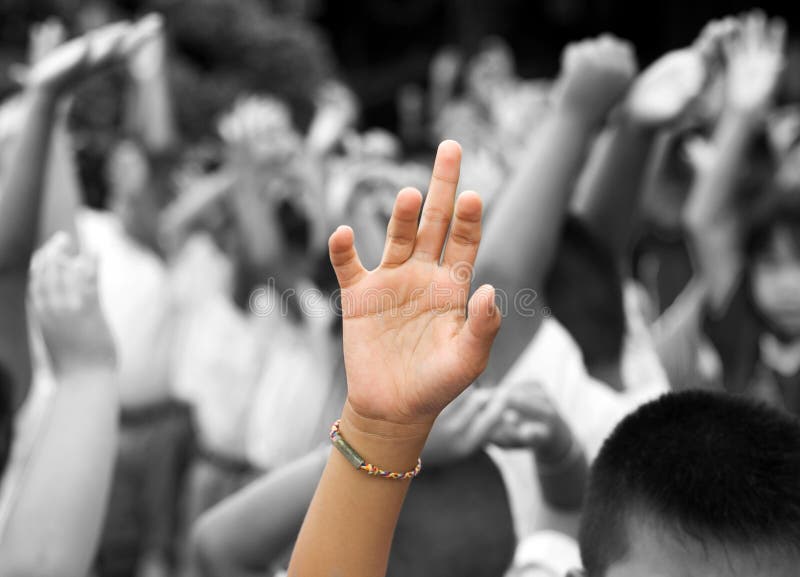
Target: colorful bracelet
(359,463)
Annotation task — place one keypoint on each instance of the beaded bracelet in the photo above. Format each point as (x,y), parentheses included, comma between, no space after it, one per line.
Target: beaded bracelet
(359,463)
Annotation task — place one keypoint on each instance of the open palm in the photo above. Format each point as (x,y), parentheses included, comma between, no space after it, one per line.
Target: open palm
(755,62)
(412,340)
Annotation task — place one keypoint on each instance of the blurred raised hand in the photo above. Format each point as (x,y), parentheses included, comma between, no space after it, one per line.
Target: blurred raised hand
(530,420)
(69,63)
(595,74)
(711,40)
(755,59)
(667,88)
(149,53)
(413,340)
(259,130)
(63,289)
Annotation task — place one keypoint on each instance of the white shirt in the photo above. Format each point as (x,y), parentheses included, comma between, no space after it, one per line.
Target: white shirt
(134,292)
(259,381)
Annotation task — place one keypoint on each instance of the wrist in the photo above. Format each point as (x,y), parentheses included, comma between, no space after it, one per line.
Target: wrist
(391,446)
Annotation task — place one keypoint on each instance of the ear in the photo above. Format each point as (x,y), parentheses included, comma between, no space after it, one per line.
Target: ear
(576,573)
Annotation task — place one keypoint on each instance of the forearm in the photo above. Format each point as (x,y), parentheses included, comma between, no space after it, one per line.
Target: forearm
(62,196)
(529,215)
(55,523)
(349,526)
(710,213)
(608,194)
(22,188)
(150,112)
(248,531)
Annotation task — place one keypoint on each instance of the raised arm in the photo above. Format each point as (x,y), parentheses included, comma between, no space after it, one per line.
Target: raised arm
(56,516)
(528,216)
(21,192)
(149,108)
(608,195)
(62,190)
(754,63)
(407,356)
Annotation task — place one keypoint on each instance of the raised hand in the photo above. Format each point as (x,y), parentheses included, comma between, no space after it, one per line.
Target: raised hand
(709,44)
(71,62)
(755,60)
(594,77)
(63,290)
(259,130)
(663,92)
(412,339)
(149,54)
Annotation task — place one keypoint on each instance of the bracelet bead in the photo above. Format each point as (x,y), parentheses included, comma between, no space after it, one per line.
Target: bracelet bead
(359,463)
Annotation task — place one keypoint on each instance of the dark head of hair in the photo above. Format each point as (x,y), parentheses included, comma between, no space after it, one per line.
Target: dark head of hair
(718,469)
(584,291)
(6,418)
(294,226)
(779,208)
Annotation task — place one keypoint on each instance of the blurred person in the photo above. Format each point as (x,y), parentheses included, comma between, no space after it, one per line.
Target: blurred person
(131,280)
(741,224)
(25,175)
(141,530)
(258,338)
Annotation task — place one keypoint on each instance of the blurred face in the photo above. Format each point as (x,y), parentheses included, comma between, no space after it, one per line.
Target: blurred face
(267,227)
(491,70)
(776,282)
(129,199)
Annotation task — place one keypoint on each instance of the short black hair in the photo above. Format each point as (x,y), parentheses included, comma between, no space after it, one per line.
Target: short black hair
(584,291)
(719,468)
(6,418)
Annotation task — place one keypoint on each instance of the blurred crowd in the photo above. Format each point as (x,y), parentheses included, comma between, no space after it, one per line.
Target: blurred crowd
(170,331)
